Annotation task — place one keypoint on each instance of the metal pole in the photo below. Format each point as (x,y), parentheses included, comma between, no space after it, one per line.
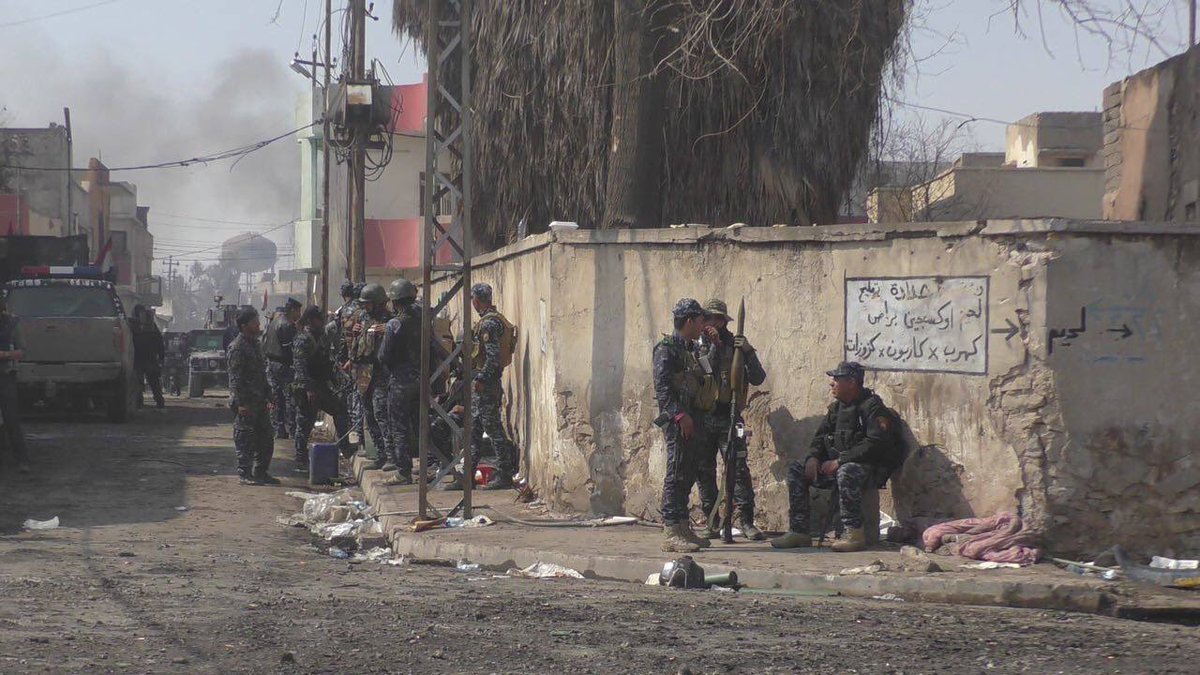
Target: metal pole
(427,242)
(324,292)
(359,162)
(68,225)
(464,215)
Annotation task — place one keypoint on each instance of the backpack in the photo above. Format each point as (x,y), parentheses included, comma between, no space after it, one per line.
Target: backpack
(508,340)
(272,346)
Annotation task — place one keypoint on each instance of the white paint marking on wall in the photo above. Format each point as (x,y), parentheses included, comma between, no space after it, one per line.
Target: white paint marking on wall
(926,324)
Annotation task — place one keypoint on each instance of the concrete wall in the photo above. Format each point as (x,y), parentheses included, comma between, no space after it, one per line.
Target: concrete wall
(1089,439)
(1010,192)
(1044,139)
(44,191)
(1151,149)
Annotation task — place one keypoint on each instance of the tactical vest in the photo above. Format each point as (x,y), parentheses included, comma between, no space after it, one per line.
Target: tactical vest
(696,388)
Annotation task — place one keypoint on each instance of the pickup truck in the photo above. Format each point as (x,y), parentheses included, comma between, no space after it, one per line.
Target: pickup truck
(78,344)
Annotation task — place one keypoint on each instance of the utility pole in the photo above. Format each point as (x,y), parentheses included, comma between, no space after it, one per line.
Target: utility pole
(68,226)
(325,131)
(1191,23)
(358,150)
(171,264)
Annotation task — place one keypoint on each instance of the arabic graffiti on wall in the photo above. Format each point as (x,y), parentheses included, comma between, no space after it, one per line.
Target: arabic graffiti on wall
(930,324)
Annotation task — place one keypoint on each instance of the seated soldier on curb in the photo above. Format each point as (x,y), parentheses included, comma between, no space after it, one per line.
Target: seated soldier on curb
(857,446)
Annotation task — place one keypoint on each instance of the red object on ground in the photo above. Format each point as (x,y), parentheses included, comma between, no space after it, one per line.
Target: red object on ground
(483,474)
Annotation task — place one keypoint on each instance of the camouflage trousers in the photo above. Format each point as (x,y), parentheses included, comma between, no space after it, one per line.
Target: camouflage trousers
(306,418)
(485,416)
(254,441)
(851,480)
(716,429)
(403,413)
(279,377)
(683,461)
(374,414)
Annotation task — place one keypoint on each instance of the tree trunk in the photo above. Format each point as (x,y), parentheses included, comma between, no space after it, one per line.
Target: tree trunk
(635,155)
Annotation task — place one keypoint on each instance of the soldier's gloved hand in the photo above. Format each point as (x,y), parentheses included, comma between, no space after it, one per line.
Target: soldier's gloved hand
(830,468)
(811,468)
(687,427)
(740,342)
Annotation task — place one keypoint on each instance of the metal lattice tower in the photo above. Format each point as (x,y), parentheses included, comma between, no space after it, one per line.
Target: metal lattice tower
(447,197)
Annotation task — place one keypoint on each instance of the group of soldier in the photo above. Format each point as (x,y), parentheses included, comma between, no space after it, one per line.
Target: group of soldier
(362,366)
(856,447)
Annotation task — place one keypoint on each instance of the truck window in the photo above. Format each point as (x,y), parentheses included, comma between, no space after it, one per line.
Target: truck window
(37,302)
(205,342)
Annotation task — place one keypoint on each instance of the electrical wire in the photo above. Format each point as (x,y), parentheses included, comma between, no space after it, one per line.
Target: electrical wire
(235,153)
(32,19)
(968,117)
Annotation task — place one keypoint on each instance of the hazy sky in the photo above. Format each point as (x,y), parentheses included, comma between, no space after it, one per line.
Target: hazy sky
(156,80)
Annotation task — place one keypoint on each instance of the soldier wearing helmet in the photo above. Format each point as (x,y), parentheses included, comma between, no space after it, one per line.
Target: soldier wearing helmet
(400,356)
(371,382)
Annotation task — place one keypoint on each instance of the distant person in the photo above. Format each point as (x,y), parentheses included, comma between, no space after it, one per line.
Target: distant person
(493,350)
(400,356)
(364,336)
(250,398)
(857,446)
(148,354)
(277,346)
(314,380)
(12,349)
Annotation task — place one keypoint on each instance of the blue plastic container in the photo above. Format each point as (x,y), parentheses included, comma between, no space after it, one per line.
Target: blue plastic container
(322,463)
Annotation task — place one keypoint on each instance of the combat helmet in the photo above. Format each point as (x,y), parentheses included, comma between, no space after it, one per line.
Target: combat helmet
(372,293)
(402,290)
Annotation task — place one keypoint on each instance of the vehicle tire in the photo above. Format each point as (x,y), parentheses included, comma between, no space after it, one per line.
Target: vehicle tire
(120,404)
(195,387)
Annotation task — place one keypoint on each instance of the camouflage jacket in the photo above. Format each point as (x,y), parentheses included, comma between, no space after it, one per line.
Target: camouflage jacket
(310,360)
(487,346)
(247,373)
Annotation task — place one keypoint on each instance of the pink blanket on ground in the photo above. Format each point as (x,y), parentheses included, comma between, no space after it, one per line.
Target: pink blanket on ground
(1000,538)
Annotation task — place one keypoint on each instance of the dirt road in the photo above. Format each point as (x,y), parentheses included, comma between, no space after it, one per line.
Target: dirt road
(164,563)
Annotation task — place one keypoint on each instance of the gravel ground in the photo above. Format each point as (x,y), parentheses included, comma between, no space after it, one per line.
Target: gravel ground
(164,563)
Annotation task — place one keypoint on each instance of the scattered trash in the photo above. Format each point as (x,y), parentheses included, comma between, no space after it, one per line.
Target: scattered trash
(682,572)
(886,522)
(465,566)
(874,568)
(1173,564)
(990,565)
(655,579)
(1181,578)
(379,555)
(338,553)
(478,521)
(32,524)
(890,597)
(1001,538)
(541,570)
(181,508)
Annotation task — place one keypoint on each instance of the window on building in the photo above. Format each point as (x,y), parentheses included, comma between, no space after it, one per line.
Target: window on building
(1075,162)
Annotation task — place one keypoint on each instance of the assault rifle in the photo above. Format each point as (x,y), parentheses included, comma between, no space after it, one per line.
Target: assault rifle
(735,449)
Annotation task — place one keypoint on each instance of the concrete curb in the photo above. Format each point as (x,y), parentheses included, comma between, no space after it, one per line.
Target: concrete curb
(1065,596)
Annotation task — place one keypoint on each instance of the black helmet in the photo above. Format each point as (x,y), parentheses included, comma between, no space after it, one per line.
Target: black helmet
(372,293)
(347,289)
(401,290)
(357,290)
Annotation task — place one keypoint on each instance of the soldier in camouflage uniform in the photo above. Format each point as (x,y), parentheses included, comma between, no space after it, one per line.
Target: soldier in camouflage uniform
(371,381)
(400,356)
(279,369)
(487,391)
(717,346)
(678,380)
(250,398)
(857,446)
(314,386)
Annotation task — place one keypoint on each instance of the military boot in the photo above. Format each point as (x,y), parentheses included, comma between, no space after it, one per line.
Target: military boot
(686,532)
(675,541)
(792,540)
(853,539)
(751,532)
(712,530)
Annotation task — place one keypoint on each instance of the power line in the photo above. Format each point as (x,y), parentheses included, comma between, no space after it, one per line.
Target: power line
(22,22)
(239,152)
(969,117)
